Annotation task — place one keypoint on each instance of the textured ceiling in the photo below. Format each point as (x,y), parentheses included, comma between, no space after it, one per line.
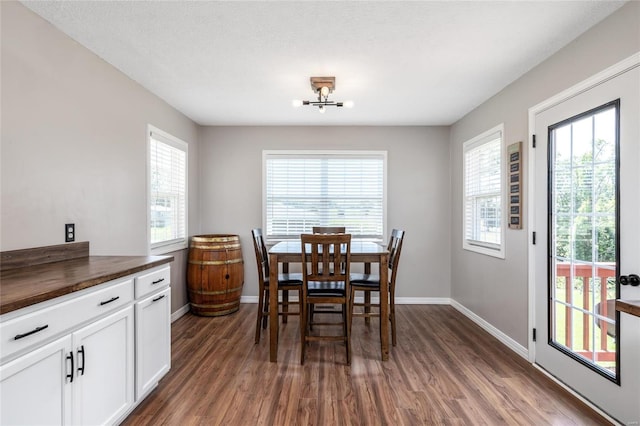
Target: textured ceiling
(402,63)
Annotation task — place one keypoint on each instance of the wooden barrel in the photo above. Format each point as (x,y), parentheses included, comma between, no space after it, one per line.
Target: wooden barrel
(215,274)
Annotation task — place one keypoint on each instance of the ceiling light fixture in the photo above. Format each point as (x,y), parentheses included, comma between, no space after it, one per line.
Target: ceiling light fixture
(323,86)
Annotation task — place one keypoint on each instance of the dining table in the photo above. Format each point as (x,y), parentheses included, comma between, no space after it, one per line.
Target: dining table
(366,252)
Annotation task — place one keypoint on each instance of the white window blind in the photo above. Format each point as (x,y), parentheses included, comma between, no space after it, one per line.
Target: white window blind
(168,191)
(483,224)
(317,188)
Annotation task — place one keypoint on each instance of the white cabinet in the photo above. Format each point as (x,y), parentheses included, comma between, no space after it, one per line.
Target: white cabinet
(153,340)
(153,329)
(103,386)
(83,378)
(89,357)
(35,389)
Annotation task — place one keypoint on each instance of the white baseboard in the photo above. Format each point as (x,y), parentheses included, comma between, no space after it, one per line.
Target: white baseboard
(180,312)
(506,340)
(423,301)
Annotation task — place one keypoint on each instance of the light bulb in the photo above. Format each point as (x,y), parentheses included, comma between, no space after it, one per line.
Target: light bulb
(324,91)
(296,103)
(321,109)
(348,104)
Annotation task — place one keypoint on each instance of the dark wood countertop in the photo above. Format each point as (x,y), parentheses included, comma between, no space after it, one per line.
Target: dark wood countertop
(21,287)
(629,306)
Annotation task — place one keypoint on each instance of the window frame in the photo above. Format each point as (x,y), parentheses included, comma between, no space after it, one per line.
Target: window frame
(482,247)
(315,152)
(167,246)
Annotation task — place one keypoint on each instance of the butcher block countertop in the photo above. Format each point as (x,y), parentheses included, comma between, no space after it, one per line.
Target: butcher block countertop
(27,279)
(629,306)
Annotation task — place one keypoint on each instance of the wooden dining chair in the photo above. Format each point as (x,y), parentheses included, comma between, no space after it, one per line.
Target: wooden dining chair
(325,230)
(321,255)
(328,229)
(368,283)
(286,282)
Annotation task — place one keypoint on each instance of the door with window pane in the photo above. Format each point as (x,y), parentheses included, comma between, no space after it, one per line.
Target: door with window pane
(586,217)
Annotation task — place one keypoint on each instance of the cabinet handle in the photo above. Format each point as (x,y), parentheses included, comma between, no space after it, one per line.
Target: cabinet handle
(81,369)
(113,299)
(70,375)
(158,298)
(34,331)
(157,281)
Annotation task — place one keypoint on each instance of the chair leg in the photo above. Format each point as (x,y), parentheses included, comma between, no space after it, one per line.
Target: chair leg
(260,316)
(285,305)
(265,309)
(367,306)
(303,329)
(347,329)
(392,316)
(352,296)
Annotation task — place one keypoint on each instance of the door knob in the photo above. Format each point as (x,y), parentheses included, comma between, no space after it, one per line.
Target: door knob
(631,279)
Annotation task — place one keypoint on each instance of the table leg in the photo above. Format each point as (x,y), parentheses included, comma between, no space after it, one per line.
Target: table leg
(384,306)
(273,308)
(367,295)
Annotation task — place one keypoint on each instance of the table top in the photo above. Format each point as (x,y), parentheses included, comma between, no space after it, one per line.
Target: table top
(358,247)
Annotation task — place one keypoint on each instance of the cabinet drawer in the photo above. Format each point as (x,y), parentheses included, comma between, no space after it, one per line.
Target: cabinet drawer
(26,331)
(152,281)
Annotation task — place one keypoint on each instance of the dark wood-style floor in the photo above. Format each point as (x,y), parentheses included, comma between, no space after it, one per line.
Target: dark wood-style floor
(445,370)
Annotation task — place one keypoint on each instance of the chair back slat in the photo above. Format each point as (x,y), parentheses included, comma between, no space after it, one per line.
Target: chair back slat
(328,229)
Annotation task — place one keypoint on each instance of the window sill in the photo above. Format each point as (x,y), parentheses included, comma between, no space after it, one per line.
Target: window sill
(499,253)
(156,251)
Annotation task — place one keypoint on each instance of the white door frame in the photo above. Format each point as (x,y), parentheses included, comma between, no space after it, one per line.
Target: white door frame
(599,78)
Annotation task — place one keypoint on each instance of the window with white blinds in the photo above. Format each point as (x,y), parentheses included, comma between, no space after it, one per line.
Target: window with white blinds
(483,196)
(303,189)
(167,192)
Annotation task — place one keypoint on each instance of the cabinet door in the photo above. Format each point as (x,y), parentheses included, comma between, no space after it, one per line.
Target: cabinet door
(35,389)
(103,389)
(153,340)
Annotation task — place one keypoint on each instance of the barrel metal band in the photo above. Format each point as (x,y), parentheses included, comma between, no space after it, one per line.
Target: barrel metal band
(218,247)
(216,305)
(215,262)
(214,313)
(215,239)
(214,292)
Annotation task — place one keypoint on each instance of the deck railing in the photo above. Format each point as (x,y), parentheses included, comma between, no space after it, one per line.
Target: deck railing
(585,272)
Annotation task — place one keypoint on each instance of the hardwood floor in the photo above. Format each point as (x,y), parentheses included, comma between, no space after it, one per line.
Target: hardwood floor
(444,370)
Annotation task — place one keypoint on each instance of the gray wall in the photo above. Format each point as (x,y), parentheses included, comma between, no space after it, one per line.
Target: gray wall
(417,182)
(496,289)
(74,144)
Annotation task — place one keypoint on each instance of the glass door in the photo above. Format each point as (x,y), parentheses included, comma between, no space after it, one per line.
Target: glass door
(585,215)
